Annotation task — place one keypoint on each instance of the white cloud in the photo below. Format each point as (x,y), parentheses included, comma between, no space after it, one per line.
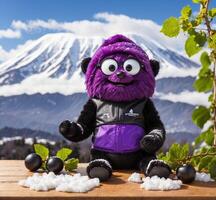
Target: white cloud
(105,24)
(9,33)
(39,84)
(4,55)
(38,24)
(193,98)
(172,71)
(17,24)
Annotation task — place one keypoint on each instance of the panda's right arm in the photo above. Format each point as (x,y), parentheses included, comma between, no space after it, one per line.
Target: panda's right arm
(83,127)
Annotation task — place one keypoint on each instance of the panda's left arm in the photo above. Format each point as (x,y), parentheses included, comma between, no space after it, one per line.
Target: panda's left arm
(154,129)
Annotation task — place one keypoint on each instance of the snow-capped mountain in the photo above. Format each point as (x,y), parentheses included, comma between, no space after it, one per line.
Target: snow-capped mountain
(50,65)
(51,56)
(54,60)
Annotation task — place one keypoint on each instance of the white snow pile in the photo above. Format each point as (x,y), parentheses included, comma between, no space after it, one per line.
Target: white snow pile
(62,182)
(203,177)
(135,177)
(157,183)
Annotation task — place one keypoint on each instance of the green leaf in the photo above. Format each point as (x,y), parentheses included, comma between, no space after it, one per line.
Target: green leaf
(191,46)
(160,155)
(200,38)
(211,98)
(195,161)
(196,1)
(71,164)
(184,151)
(43,166)
(205,60)
(212,149)
(204,162)
(174,151)
(171,27)
(63,153)
(200,116)
(186,25)
(200,138)
(186,11)
(191,31)
(209,137)
(212,12)
(203,84)
(205,72)
(204,149)
(42,151)
(212,168)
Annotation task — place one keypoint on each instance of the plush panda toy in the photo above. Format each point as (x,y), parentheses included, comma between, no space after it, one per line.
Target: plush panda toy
(126,128)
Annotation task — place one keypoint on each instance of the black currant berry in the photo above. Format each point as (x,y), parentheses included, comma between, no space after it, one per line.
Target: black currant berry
(186,173)
(54,164)
(33,162)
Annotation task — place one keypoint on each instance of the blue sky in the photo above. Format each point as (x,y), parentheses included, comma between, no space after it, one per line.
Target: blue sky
(76,10)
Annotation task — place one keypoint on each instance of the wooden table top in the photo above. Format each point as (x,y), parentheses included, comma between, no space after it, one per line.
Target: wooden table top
(117,187)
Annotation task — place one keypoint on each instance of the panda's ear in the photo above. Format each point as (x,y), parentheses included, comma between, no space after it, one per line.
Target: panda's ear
(84,64)
(155,66)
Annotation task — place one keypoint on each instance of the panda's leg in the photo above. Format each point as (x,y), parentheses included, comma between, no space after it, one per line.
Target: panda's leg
(151,166)
(99,167)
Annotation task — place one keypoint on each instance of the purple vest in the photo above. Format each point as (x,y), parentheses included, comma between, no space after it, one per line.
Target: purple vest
(119,126)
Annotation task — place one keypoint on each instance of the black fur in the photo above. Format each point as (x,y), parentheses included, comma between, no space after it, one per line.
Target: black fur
(135,160)
(158,168)
(155,66)
(100,166)
(87,119)
(84,64)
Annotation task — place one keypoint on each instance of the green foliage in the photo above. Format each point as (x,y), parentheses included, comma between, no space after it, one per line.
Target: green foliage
(205,60)
(203,163)
(206,136)
(203,84)
(191,46)
(196,1)
(200,38)
(200,30)
(212,12)
(171,27)
(63,153)
(203,159)
(186,12)
(200,116)
(42,151)
(71,164)
(212,168)
(176,152)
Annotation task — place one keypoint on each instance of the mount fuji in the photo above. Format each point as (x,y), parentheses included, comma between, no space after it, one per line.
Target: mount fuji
(42,84)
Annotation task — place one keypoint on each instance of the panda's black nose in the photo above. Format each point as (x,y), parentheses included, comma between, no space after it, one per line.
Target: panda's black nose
(120,74)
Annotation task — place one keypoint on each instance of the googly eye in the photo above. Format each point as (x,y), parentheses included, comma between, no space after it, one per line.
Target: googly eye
(109,66)
(131,66)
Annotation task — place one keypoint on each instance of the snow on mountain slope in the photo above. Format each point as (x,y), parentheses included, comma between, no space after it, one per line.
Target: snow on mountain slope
(57,56)
(51,56)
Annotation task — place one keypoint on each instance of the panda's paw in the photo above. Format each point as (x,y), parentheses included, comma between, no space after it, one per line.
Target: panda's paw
(99,168)
(158,168)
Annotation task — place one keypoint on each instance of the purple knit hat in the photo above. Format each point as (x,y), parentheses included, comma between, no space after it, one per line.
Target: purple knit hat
(122,44)
(145,81)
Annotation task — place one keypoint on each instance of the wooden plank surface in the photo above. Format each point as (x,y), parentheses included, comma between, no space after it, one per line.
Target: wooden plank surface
(116,188)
